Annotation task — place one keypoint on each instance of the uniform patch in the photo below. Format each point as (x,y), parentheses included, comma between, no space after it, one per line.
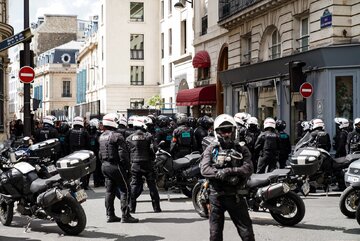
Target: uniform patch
(185,134)
(138,138)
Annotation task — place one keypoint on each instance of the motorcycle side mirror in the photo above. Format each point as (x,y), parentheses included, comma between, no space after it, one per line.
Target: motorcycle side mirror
(161,144)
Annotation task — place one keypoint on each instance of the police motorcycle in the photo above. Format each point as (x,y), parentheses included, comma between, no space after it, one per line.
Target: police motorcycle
(57,198)
(182,173)
(268,192)
(41,155)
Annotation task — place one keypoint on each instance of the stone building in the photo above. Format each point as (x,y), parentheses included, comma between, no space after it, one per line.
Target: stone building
(254,45)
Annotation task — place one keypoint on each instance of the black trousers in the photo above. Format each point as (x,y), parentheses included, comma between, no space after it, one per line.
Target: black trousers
(137,183)
(266,160)
(238,211)
(116,181)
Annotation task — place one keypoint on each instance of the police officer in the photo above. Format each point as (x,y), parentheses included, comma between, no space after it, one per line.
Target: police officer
(48,130)
(183,141)
(142,157)
(353,141)
(163,133)
(340,138)
(202,130)
(130,130)
(284,143)
(79,139)
(267,147)
(115,159)
(122,125)
(226,181)
(252,133)
(318,136)
(94,134)
(241,119)
(63,132)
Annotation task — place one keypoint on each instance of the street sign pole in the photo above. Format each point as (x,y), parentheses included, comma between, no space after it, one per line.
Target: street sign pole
(27,114)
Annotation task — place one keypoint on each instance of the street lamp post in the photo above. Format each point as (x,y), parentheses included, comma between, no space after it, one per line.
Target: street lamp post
(26,61)
(181,4)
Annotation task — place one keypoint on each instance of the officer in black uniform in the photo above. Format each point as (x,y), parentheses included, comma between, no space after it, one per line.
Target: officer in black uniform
(284,143)
(163,133)
(202,130)
(94,134)
(142,157)
(318,136)
(241,119)
(63,132)
(122,126)
(79,139)
(227,165)
(340,138)
(267,147)
(48,130)
(130,129)
(252,133)
(183,141)
(115,159)
(353,140)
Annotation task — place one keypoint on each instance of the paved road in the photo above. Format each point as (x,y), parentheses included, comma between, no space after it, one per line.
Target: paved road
(178,222)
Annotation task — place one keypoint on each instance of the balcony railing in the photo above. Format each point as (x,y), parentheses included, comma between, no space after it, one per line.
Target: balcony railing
(228,8)
(137,54)
(303,43)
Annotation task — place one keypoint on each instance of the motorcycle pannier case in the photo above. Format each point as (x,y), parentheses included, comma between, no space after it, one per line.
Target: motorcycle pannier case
(76,165)
(306,161)
(45,148)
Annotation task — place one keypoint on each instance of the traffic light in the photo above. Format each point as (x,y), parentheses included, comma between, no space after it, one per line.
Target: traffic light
(22,58)
(296,75)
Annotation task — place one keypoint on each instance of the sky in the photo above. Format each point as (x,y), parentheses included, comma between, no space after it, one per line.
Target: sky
(82,8)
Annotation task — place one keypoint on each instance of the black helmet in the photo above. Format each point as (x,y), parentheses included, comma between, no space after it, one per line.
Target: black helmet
(192,122)
(181,119)
(163,121)
(206,122)
(64,127)
(280,125)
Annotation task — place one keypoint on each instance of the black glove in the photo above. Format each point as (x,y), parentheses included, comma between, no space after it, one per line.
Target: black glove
(222,173)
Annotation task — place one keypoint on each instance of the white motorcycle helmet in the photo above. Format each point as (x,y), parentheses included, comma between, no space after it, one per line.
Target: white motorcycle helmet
(110,120)
(252,121)
(317,123)
(269,123)
(241,118)
(123,121)
(305,125)
(78,120)
(342,122)
(94,122)
(49,119)
(356,123)
(224,123)
(139,122)
(131,119)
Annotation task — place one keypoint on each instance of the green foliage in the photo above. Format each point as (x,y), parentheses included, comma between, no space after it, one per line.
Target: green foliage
(155,101)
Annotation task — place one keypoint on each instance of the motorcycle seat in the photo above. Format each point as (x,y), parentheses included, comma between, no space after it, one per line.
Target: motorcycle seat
(40,184)
(263,179)
(340,160)
(181,163)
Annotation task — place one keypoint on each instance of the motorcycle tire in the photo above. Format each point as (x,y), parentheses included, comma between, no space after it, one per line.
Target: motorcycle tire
(358,214)
(72,209)
(196,193)
(6,213)
(296,204)
(349,201)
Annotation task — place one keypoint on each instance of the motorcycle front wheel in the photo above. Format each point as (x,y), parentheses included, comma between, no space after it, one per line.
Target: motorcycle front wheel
(6,212)
(349,201)
(73,219)
(196,200)
(293,207)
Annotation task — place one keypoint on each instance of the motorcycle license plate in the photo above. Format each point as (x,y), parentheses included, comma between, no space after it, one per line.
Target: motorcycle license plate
(80,195)
(352,179)
(305,188)
(51,168)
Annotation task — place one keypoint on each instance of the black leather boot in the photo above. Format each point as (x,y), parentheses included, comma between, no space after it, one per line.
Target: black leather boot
(112,219)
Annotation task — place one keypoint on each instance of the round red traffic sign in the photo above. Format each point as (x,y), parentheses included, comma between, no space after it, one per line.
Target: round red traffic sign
(26,74)
(306,89)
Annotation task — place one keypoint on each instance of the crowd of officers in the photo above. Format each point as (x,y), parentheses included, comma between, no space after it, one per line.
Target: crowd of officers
(126,150)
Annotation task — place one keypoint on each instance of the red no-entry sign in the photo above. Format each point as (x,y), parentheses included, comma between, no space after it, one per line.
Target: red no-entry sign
(26,74)
(306,89)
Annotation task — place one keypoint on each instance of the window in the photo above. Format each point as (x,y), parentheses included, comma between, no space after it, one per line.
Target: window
(66,89)
(136,103)
(162,74)
(304,35)
(136,12)
(137,46)
(170,7)
(162,45)
(162,9)
(183,37)
(246,49)
(203,73)
(204,25)
(170,41)
(344,96)
(275,47)
(170,72)
(137,75)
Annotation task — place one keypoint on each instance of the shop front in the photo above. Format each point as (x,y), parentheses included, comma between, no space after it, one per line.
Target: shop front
(263,89)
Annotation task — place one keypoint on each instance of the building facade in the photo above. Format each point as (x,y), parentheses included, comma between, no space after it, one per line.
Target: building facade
(265,40)
(129,56)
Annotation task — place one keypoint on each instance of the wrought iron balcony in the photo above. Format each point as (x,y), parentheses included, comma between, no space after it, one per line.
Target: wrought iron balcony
(228,8)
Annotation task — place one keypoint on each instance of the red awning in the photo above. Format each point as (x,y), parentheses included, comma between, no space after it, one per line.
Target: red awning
(201,60)
(198,96)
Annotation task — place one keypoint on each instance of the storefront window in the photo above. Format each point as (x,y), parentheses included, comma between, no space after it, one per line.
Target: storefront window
(267,103)
(344,96)
(243,101)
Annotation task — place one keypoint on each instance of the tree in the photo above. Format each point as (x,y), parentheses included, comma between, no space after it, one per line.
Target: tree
(155,101)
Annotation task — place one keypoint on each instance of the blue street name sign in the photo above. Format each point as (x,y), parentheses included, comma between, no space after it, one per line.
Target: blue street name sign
(15,39)
(326,19)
